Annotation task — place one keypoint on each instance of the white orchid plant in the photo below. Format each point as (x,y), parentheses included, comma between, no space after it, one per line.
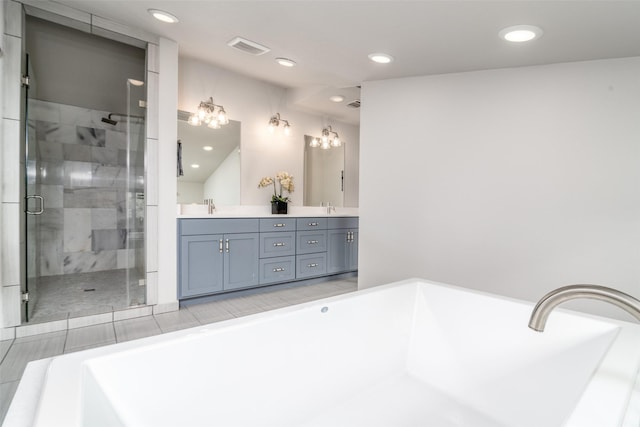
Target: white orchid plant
(286,184)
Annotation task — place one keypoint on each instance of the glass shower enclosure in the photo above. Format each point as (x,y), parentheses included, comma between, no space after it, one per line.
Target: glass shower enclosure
(84,205)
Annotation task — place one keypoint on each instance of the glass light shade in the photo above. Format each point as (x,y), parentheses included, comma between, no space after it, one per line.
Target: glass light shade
(336,142)
(222,117)
(194,120)
(314,143)
(325,145)
(214,124)
(202,113)
(287,130)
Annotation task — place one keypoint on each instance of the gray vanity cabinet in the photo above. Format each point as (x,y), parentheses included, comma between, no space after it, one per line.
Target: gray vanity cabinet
(277,250)
(342,250)
(217,255)
(311,247)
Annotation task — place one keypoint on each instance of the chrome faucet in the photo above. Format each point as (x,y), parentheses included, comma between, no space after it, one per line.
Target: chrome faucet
(566,293)
(211,207)
(330,208)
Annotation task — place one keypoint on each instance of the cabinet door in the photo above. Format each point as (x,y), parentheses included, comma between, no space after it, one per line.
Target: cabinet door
(337,251)
(201,261)
(241,260)
(353,251)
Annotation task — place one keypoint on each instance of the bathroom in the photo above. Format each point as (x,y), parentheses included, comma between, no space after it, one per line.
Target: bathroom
(521,193)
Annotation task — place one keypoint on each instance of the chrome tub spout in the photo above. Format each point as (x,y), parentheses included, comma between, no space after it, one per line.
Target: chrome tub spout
(548,302)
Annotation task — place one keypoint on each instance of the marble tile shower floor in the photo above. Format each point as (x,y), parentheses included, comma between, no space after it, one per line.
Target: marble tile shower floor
(82,294)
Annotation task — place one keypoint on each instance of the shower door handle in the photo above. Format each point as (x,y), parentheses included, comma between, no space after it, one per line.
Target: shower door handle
(37,197)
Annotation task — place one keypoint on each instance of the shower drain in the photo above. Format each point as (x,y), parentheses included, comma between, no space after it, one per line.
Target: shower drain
(89,290)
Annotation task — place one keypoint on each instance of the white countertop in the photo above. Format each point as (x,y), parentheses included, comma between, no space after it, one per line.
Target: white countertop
(246,211)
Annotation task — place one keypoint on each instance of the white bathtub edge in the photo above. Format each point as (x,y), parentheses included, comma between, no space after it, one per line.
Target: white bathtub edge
(23,407)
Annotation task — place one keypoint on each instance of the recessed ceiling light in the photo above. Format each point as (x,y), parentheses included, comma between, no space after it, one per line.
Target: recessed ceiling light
(520,33)
(336,98)
(195,166)
(207,148)
(163,16)
(285,62)
(380,58)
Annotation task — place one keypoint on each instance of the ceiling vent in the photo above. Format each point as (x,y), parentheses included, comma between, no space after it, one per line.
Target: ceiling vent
(247,46)
(354,104)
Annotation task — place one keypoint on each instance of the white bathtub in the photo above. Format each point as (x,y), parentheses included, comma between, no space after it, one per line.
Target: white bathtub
(413,353)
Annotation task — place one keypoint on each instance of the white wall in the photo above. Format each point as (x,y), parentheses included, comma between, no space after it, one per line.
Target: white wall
(12,245)
(223,185)
(253,102)
(2,65)
(167,97)
(513,181)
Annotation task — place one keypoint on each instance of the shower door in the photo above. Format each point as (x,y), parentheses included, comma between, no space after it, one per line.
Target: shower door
(84,206)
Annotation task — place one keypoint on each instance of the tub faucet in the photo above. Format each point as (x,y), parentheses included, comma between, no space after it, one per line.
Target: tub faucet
(566,293)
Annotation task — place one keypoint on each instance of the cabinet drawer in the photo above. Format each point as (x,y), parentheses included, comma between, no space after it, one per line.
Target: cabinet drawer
(311,265)
(311,241)
(303,224)
(277,244)
(200,226)
(279,269)
(277,224)
(344,222)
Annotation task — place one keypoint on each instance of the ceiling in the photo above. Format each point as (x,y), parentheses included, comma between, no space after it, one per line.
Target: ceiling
(330,40)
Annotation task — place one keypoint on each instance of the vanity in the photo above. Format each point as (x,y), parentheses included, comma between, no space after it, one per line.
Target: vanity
(224,254)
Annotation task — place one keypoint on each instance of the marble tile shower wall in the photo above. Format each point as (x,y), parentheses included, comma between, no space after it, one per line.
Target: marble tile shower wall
(81,171)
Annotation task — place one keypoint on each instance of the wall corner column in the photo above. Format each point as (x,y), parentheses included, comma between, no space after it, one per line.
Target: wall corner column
(167,104)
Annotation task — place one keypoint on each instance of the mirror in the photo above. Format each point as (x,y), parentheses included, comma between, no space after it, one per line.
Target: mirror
(217,175)
(323,175)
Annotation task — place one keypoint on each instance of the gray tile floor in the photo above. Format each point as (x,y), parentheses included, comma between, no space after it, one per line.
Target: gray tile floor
(15,354)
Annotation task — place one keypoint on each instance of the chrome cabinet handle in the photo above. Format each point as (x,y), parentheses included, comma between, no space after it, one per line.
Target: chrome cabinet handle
(226,243)
(39,211)
(220,246)
(312,224)
(278,269)
(279,244)
(312,265)
(312,242)
(278,225)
